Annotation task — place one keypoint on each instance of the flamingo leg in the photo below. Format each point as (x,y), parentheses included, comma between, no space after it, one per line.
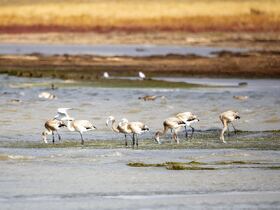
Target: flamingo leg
(136,141)
(192,131)
(125,140)
(52,137)
(133,141)
(235,131)
(222,134)
(186,131)
(82,139)
(59,137)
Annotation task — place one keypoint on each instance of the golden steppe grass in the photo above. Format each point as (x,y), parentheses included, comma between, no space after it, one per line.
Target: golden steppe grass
(183,15)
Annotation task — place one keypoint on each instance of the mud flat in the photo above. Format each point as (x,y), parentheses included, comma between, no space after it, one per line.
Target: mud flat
(265,140)
(253,64)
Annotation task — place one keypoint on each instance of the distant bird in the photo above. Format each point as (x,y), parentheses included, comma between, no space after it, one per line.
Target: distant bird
(106,75)
(53,87)
(80,126)
(241,98)
(141,75)
(119,128)
(172,123)
(50,127)
(189,119)
(15,101)
(227,118)
(136,128)
(46,95)
(150,98)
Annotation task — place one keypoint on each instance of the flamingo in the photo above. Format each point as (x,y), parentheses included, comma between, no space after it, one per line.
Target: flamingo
(50,127)
(136,128)
(188,118)
(120,128)
(226,118)
(172,123)
(80,126)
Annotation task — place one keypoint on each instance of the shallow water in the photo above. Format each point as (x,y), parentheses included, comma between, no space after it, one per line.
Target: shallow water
(24,120)
(110,50)
(87,178)
(73,178)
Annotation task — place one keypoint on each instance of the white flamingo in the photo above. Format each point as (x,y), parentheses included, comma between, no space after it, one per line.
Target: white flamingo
(189,119)
(80,126)
(119,128)
(136,128)
(172,123)
(227,118)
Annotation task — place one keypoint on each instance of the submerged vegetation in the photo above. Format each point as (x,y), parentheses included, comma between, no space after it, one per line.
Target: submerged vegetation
(194,165)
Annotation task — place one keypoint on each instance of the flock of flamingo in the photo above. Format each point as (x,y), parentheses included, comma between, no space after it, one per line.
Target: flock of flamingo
(174,123)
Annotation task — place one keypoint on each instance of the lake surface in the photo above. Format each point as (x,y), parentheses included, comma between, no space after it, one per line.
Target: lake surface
(87,178)
(74,178)
(110,50)
(259,112)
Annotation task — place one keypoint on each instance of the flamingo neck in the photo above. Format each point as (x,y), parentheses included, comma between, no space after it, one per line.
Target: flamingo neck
(69,126)
(114,126)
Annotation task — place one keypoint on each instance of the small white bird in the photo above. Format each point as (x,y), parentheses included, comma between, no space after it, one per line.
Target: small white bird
(50,127)
(46,95)
(62,114)
(227,118)
(106,75)
(141,75)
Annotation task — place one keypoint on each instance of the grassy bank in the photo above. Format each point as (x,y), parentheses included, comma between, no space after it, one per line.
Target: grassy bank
(124,15)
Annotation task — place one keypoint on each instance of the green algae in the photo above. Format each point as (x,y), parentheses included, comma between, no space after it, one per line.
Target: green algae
(193,165)
(141,164)
(236,162)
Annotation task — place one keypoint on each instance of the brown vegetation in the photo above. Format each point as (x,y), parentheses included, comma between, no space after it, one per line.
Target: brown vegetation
(131,16)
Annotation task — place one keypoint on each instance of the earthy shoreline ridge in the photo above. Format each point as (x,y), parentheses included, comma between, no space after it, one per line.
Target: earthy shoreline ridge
(253,64)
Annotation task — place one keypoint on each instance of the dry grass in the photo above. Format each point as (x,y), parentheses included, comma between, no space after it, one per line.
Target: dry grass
(182,15)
